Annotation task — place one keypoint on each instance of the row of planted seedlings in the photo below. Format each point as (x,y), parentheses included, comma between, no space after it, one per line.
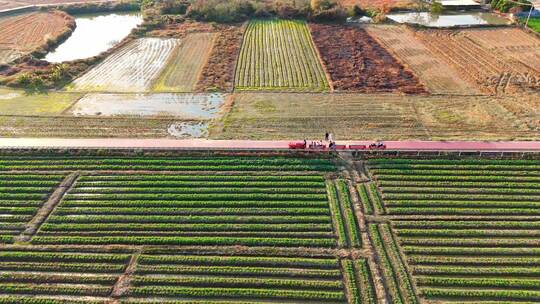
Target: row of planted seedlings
(251,275)
(343,214)
(53,273)
(155,163)
(263,209)
(506,187)
(486,220)
(22,194)
(294,65)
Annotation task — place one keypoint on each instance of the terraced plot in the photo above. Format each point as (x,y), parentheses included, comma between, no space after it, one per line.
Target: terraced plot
(285,116)
(358,63)
(452,216)
(279,55)
(133,68)
(186,64)
(22,194)
(382,116)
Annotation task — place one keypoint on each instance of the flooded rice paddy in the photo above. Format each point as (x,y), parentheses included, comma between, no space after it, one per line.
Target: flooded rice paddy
(186,106)
(95,34)
(449,20)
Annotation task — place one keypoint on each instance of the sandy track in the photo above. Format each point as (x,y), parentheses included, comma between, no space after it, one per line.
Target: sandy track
(436,74)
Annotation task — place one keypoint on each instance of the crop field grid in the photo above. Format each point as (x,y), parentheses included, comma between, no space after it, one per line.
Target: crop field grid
(468,230)
(279,55)
(174,229)
(246,229)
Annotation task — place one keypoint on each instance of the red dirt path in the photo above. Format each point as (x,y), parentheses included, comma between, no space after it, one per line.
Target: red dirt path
(203,144)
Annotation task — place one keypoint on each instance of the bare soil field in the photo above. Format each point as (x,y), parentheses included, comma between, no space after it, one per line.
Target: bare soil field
(186,63)
(381,116)
(356,62)
(218,74)
(133,68)
(514,43)
(492,72)
(434,73)
(21,34)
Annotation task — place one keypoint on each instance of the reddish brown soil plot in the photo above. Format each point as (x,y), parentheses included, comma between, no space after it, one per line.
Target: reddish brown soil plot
(29,31)
(218,74)
(356,62)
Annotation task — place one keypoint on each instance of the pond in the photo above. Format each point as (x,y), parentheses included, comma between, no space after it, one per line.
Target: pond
(449,20)
(95,34)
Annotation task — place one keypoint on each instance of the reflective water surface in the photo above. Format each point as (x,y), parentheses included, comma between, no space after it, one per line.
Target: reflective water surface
(95,34)
(448,20)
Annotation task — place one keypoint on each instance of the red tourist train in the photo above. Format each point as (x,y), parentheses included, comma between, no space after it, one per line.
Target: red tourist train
(321,146)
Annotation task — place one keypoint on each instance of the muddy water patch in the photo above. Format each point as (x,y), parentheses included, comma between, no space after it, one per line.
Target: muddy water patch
(188,129)
(186,106)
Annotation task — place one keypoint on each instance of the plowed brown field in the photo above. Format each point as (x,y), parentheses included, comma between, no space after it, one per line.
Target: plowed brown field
(218,74)
(493,72)
(24,33)
(511,42)
(438,76)
(356,62)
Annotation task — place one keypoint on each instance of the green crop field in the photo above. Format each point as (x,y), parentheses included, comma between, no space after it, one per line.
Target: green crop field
(253,229)
(467,229)
(221,229)
(279,55)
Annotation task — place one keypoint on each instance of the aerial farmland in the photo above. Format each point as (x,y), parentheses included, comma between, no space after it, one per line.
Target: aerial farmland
(168,203)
